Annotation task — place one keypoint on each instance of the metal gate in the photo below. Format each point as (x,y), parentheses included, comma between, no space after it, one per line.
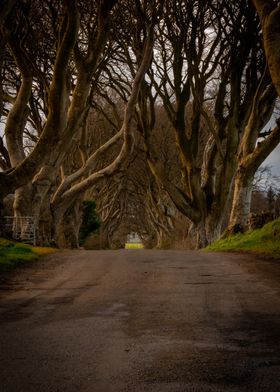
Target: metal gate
(21,228)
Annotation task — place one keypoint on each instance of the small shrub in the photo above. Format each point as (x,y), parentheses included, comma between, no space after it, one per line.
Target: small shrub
(90,223)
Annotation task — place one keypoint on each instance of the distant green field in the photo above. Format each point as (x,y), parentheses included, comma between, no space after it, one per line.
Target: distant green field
(13,254)
(264,240)
(134,245)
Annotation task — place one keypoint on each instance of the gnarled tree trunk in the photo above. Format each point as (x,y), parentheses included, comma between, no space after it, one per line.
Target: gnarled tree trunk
(269,13)
(241,201)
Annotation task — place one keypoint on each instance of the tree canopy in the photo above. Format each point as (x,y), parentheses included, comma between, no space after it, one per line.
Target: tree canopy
(160,111)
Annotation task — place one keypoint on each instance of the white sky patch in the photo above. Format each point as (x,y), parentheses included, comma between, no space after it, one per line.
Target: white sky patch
(273,160)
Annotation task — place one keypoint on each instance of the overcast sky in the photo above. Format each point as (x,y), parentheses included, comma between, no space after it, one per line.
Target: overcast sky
(274,161)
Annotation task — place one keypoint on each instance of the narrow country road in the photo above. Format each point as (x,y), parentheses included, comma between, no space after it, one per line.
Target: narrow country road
(140,320)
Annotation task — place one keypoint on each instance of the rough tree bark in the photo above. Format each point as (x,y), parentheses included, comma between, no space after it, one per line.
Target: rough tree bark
(64,116)
(207,141)
(62,203)
(269,13)
(248,165)
(74,113)
(251,154)
(25,171)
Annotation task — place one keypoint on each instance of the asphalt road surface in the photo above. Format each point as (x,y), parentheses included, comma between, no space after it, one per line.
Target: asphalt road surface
(140,320)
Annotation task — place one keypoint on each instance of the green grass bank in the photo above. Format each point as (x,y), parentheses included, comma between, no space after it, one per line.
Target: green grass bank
(265,240)
(13,254)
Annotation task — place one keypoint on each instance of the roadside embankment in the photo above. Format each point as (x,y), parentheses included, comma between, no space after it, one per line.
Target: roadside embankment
(265,240)
(13,254)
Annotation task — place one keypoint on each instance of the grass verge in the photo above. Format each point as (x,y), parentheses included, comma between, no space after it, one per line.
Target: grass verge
(134,245)
(13,254)
(264,240)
